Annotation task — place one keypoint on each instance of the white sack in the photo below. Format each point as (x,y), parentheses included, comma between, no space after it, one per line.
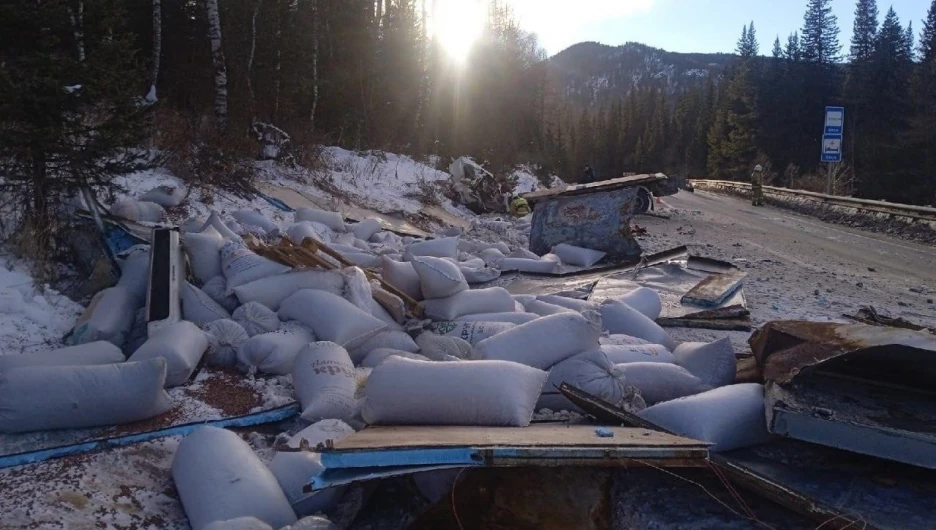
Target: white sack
(714,363)
(446,247)
(730,417)
(512,317)
(362,259)
(324,380)
(375,357)
(471,332)
(659,382)
(618,317)
(225,338)
(492,257)
(204,252)
(522,253)
(89,354)
(274,353)
(314,522)
(395,340)
(500,245)
(366,229)
(182,344)
(490,300)
(480,275)
(255,218)
(471,263)
(239,523)
(591,372)
(357,288)
(298,232)
(199,308)
(545,309)
(138,333)
(140,211)
(438,278)
(578,256)
(440,348)
(39,398)
(271,291)
(215,221)
(256,318)
(108,317)
(330,219)
(134,273)
(642,353)
(644,300)
(543,342)
(622,340)
(403,276)
(343,239)
(241,266)
(219,478)
(483,393)
(331,317)
(564,301)
(165,196)
(529,265)
(193,224)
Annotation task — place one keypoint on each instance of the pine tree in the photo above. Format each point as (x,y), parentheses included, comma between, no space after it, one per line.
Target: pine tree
(792,50)
(928,36)
(777,51)
(733,137)
(819,43)
(865,31)
(747,44)
(922,136)
(859,89)
(907,51)
(741,48)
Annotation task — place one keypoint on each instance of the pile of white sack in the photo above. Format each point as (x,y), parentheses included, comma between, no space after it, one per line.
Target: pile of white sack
(482,357)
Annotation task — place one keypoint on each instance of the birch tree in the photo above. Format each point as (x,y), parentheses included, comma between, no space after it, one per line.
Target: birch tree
(217,59)
(157,49)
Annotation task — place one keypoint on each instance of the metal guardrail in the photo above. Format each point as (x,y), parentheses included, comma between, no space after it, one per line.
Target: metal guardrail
(908,211)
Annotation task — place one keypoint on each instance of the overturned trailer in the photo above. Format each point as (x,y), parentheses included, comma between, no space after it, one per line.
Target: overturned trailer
(595,216)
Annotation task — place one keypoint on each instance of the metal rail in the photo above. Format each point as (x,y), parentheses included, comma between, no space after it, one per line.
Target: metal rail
(908,211)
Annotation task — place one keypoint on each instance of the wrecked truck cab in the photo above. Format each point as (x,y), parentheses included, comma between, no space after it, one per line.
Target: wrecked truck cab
(477,188)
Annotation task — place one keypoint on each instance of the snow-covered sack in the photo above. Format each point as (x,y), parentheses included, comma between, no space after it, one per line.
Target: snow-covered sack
(293,470)
(182,344)
(730,417)
(591,372)
(108,317)
(330,219)
(644,300)
(471,332)
(564,301)
(375,357)
(134,273)
(273,290)
(226,233)
(323,376)
(484,393)
(193,224)
(578,256)
(239,523)
(242,266)
(618,317)
(331,317)
(366,229)
(622,340)
(255,218)
(225,338)
(204,252)
(38,398)
(216,288)
(441,348)
(509,318)
(446,247)
(395,340)
(140,211)
(438,278)
(274,353)
(490,300)
(528,265)
(89,354)
(714,363)
(199,308)
(165,196)
(256,318)
(475,275)
(403,276)
(298,232)
(545,341)
(640,353)
(219,478)
(659,382)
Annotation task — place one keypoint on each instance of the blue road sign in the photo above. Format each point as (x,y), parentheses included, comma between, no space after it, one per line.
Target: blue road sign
(831,148)
(834,120)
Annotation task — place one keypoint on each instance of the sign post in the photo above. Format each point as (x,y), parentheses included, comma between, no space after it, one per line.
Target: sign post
(832,140)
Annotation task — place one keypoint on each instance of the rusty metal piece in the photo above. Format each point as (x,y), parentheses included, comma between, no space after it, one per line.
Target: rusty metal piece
(723,324)
(715,289)
(869,315)
(605,412)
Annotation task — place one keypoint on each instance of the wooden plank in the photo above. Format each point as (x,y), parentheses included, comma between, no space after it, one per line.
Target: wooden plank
(410,437)
(593,187)
(437,213)
(730,324)
(715,289)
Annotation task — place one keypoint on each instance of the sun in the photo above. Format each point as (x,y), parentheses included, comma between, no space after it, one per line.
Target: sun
(457,24)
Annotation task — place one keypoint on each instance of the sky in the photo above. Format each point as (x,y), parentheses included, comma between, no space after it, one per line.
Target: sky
(685,25)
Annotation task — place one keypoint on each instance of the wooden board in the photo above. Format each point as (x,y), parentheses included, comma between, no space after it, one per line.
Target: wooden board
(593,187)
(715,289)
(437,213)
(408,437)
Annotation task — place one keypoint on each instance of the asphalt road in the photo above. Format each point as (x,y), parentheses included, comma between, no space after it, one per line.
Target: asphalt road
(801,267)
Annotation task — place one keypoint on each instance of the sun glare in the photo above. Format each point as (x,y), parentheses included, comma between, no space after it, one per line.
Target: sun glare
(457,25)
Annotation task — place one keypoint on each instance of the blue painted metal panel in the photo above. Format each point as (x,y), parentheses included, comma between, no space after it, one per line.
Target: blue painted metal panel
(599,220)
(342,477)
(267,416)
(461,456)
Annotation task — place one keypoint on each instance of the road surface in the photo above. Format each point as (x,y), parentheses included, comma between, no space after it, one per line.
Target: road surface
(798,266)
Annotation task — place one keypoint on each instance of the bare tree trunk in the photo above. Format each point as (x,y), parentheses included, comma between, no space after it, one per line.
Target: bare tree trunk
(379,14)
(157,47)
(278,78)
(315,55)
(77,22)
(250,60)
(217,59)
